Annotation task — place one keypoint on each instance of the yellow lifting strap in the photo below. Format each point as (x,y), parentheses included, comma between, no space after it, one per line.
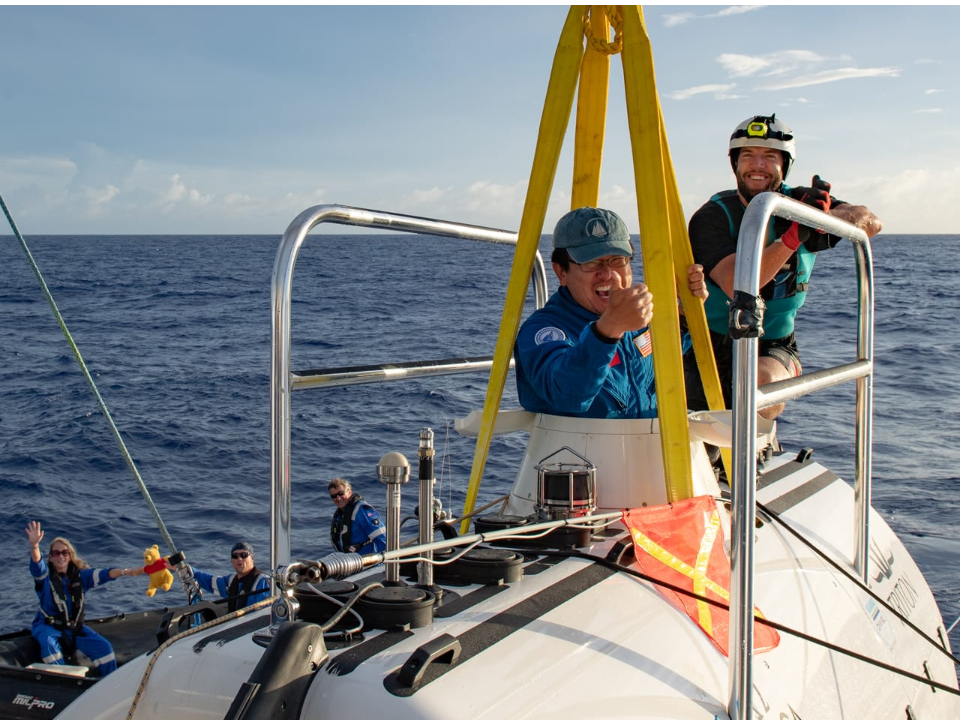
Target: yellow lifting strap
(666,251)
(553,124)
(664,245)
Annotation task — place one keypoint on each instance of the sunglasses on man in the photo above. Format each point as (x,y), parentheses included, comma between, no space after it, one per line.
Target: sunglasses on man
(239,555)
(335,496)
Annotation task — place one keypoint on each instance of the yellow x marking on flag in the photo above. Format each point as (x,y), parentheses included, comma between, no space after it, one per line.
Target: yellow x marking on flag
(698,574)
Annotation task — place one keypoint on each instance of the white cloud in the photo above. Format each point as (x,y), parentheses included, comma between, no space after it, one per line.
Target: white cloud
(178,193)
(97,199)
(828,76)
(743,65)
(930,110)
(787,69)
(932,91)
(700,90)
(486,196)
(196,198)
(175,192)
(36,169)
(680,18)
(735,10)
(911,201)
(778,63)
(432,195)
(292,202)
(677,19)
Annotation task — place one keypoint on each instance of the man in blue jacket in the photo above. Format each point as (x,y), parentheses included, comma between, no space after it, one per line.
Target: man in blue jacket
(356,526)
(587,352)
(245,586)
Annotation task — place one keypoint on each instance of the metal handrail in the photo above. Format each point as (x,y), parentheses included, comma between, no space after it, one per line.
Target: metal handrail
(366,374)
(283,380)
(747,399)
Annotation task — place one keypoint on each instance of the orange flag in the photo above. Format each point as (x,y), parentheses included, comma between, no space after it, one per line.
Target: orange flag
(682,543)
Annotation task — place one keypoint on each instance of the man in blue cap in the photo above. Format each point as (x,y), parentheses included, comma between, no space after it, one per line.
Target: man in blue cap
(587,352)
(245,586)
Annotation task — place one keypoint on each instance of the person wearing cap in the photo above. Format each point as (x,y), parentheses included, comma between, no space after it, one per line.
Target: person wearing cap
(356,527)
(762,150)
(587,351)
(245,586)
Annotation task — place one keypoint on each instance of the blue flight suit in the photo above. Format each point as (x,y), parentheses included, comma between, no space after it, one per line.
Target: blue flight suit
(240,592)
(49,636)
(358,526)
(563,367)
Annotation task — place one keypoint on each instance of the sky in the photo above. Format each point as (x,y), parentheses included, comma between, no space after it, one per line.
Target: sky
(234,119)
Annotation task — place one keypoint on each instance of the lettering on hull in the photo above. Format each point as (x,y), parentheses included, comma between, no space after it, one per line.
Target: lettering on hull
(903,597)
(31,701)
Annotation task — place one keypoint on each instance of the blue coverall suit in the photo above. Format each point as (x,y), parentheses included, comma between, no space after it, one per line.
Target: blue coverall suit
(92,644)
(252,588)
(359,526)
(565,368)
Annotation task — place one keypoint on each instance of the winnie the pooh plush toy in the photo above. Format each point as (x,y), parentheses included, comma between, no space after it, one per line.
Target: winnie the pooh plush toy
(156,567)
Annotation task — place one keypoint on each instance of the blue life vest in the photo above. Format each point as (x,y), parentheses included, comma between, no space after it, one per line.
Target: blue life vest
(784,295)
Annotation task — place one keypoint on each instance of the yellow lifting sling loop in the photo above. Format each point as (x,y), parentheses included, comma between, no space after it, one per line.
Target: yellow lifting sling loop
(664,244)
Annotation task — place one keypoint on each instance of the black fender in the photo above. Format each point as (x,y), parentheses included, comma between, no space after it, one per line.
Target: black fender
(279,682)
(207,609)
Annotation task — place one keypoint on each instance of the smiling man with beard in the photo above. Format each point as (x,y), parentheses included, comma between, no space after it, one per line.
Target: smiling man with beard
(587,352)
(762,149)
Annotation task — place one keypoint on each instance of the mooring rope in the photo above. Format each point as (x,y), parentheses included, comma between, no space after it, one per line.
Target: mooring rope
(93,388)
(158,653)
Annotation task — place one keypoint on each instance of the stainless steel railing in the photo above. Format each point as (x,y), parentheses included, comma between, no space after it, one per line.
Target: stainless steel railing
(283,380)
(747,399)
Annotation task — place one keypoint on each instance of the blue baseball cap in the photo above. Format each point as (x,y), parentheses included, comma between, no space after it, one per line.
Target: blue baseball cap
(589,233)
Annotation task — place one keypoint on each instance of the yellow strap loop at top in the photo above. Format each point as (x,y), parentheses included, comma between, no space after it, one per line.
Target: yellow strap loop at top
(612,16)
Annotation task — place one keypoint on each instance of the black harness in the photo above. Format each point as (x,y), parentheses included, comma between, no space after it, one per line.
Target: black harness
(785,284)
(340,528)
(242,587)
(69,623)
(59,586)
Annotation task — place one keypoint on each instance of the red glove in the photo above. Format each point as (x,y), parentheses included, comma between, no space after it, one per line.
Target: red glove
(795,236)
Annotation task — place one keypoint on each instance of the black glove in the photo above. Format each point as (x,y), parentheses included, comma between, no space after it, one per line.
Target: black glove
(817,196)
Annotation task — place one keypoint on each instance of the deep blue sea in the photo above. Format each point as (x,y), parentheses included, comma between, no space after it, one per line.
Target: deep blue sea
(176,331)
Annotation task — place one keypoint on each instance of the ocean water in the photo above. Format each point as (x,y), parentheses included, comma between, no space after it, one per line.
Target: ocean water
(176,332)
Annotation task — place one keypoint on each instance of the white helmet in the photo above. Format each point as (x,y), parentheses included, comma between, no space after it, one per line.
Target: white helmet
(763,131)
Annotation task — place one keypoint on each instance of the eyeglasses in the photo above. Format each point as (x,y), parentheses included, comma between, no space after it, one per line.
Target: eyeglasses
(334,496)
(617,261)
(240,555)
(59,553)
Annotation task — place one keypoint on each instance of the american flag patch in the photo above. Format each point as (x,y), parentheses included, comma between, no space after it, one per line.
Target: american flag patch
(643,343)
